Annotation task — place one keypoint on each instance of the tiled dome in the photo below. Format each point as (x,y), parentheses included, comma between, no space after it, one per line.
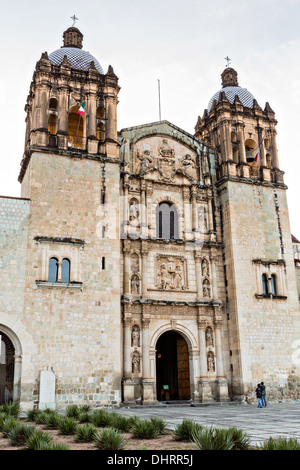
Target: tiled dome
(244,95)
(77,58)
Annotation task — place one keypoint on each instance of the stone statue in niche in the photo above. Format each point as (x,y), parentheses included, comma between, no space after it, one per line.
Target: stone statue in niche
(206,288)
(209,337)
(134,210)
(210,362)
(178,277)
(205,268)
(164,276)
(135,336)
(135,284)
(135,362)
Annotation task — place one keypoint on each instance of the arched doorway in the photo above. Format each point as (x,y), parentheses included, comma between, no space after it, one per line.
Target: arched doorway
(172,368)
(7,369)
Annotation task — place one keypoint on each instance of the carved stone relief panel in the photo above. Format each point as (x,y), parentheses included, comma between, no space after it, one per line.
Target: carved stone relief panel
(171,272)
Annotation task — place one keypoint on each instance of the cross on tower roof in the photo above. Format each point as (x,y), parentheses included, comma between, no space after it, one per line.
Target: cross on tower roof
(228,61)
(74,19)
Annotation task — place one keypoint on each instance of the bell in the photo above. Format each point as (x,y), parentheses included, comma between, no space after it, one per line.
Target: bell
(249,157)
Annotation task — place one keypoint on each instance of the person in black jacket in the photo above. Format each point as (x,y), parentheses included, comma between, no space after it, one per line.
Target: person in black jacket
(259,395)
(263,394)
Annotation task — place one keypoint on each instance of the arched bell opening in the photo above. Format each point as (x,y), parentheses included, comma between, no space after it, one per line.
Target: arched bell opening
(76,128)
(250,146)
(172,368)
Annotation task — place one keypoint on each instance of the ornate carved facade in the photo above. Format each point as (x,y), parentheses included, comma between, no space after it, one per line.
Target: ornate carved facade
(156,265)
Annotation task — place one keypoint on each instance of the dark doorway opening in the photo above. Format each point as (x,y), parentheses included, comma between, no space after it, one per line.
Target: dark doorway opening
(7,366)
(172,368)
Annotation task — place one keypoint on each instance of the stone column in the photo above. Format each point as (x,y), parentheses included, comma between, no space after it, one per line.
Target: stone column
(186,212)
(17,378)
(111,129)
(198,257)
(126,279)
(128,382)
(214,280)
(127,346)
(274,150)
(204,385)
(63,115)
(147,381)
(221,380)
(144,253)
(194,207)
(143,229)
(262,155)
(241,139)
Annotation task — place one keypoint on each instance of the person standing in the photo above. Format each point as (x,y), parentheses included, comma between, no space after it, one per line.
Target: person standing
(258,396)
(263,394)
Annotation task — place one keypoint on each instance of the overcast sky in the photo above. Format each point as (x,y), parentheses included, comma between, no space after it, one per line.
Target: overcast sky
(181,43)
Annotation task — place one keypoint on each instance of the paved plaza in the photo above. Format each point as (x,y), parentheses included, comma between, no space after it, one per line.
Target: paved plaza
(275,420)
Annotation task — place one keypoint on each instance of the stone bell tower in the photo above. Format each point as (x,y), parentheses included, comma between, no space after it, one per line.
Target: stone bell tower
(261,300)
(70,171)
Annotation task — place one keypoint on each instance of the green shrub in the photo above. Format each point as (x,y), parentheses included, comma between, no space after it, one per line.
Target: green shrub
(12,409)
(144,429)
(109,439)
(32,414)
(72,411)
(158,424)
(84,417)
(41,417)
(67,426)
(20,433)
(184,431)
(213,439)
(240,439)
(102,418)
(38,441)
(52,420)
(85,433)
(7,424)
(84,408)
(121,423)
(281,443)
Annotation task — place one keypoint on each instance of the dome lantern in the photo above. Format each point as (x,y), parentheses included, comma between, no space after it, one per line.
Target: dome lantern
(73,38)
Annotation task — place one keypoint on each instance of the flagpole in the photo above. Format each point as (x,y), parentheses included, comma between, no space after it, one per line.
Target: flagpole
(159,99)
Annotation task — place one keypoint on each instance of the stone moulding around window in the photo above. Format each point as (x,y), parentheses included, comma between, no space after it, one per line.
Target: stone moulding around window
(270,296)
(60,285)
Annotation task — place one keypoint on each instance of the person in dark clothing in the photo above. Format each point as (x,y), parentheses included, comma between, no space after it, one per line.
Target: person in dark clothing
(263,394)
(258,396)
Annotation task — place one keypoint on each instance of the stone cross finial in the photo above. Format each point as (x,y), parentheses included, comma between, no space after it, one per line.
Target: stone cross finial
(228,61)
(74,19)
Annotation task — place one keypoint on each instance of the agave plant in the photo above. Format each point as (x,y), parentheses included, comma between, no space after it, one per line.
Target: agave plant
(67,426)
(240,439)
(85,433)
(213,439)
(84,408)
(109,439)
(121,423)
(72,411)
(52,420)
(7,424)
(184,431)
(84,417)
(281,443)
(102,418)
(144,429)
(20,433)
(32,414)
(158,424)
(12,409)
(38,441)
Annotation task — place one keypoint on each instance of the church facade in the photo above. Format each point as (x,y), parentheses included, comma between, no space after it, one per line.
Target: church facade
(145,265)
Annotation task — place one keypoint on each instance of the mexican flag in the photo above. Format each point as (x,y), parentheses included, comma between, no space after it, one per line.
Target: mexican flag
(81,110)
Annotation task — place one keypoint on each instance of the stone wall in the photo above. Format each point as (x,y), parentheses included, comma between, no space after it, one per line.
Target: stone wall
(77,327)
(263,330)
